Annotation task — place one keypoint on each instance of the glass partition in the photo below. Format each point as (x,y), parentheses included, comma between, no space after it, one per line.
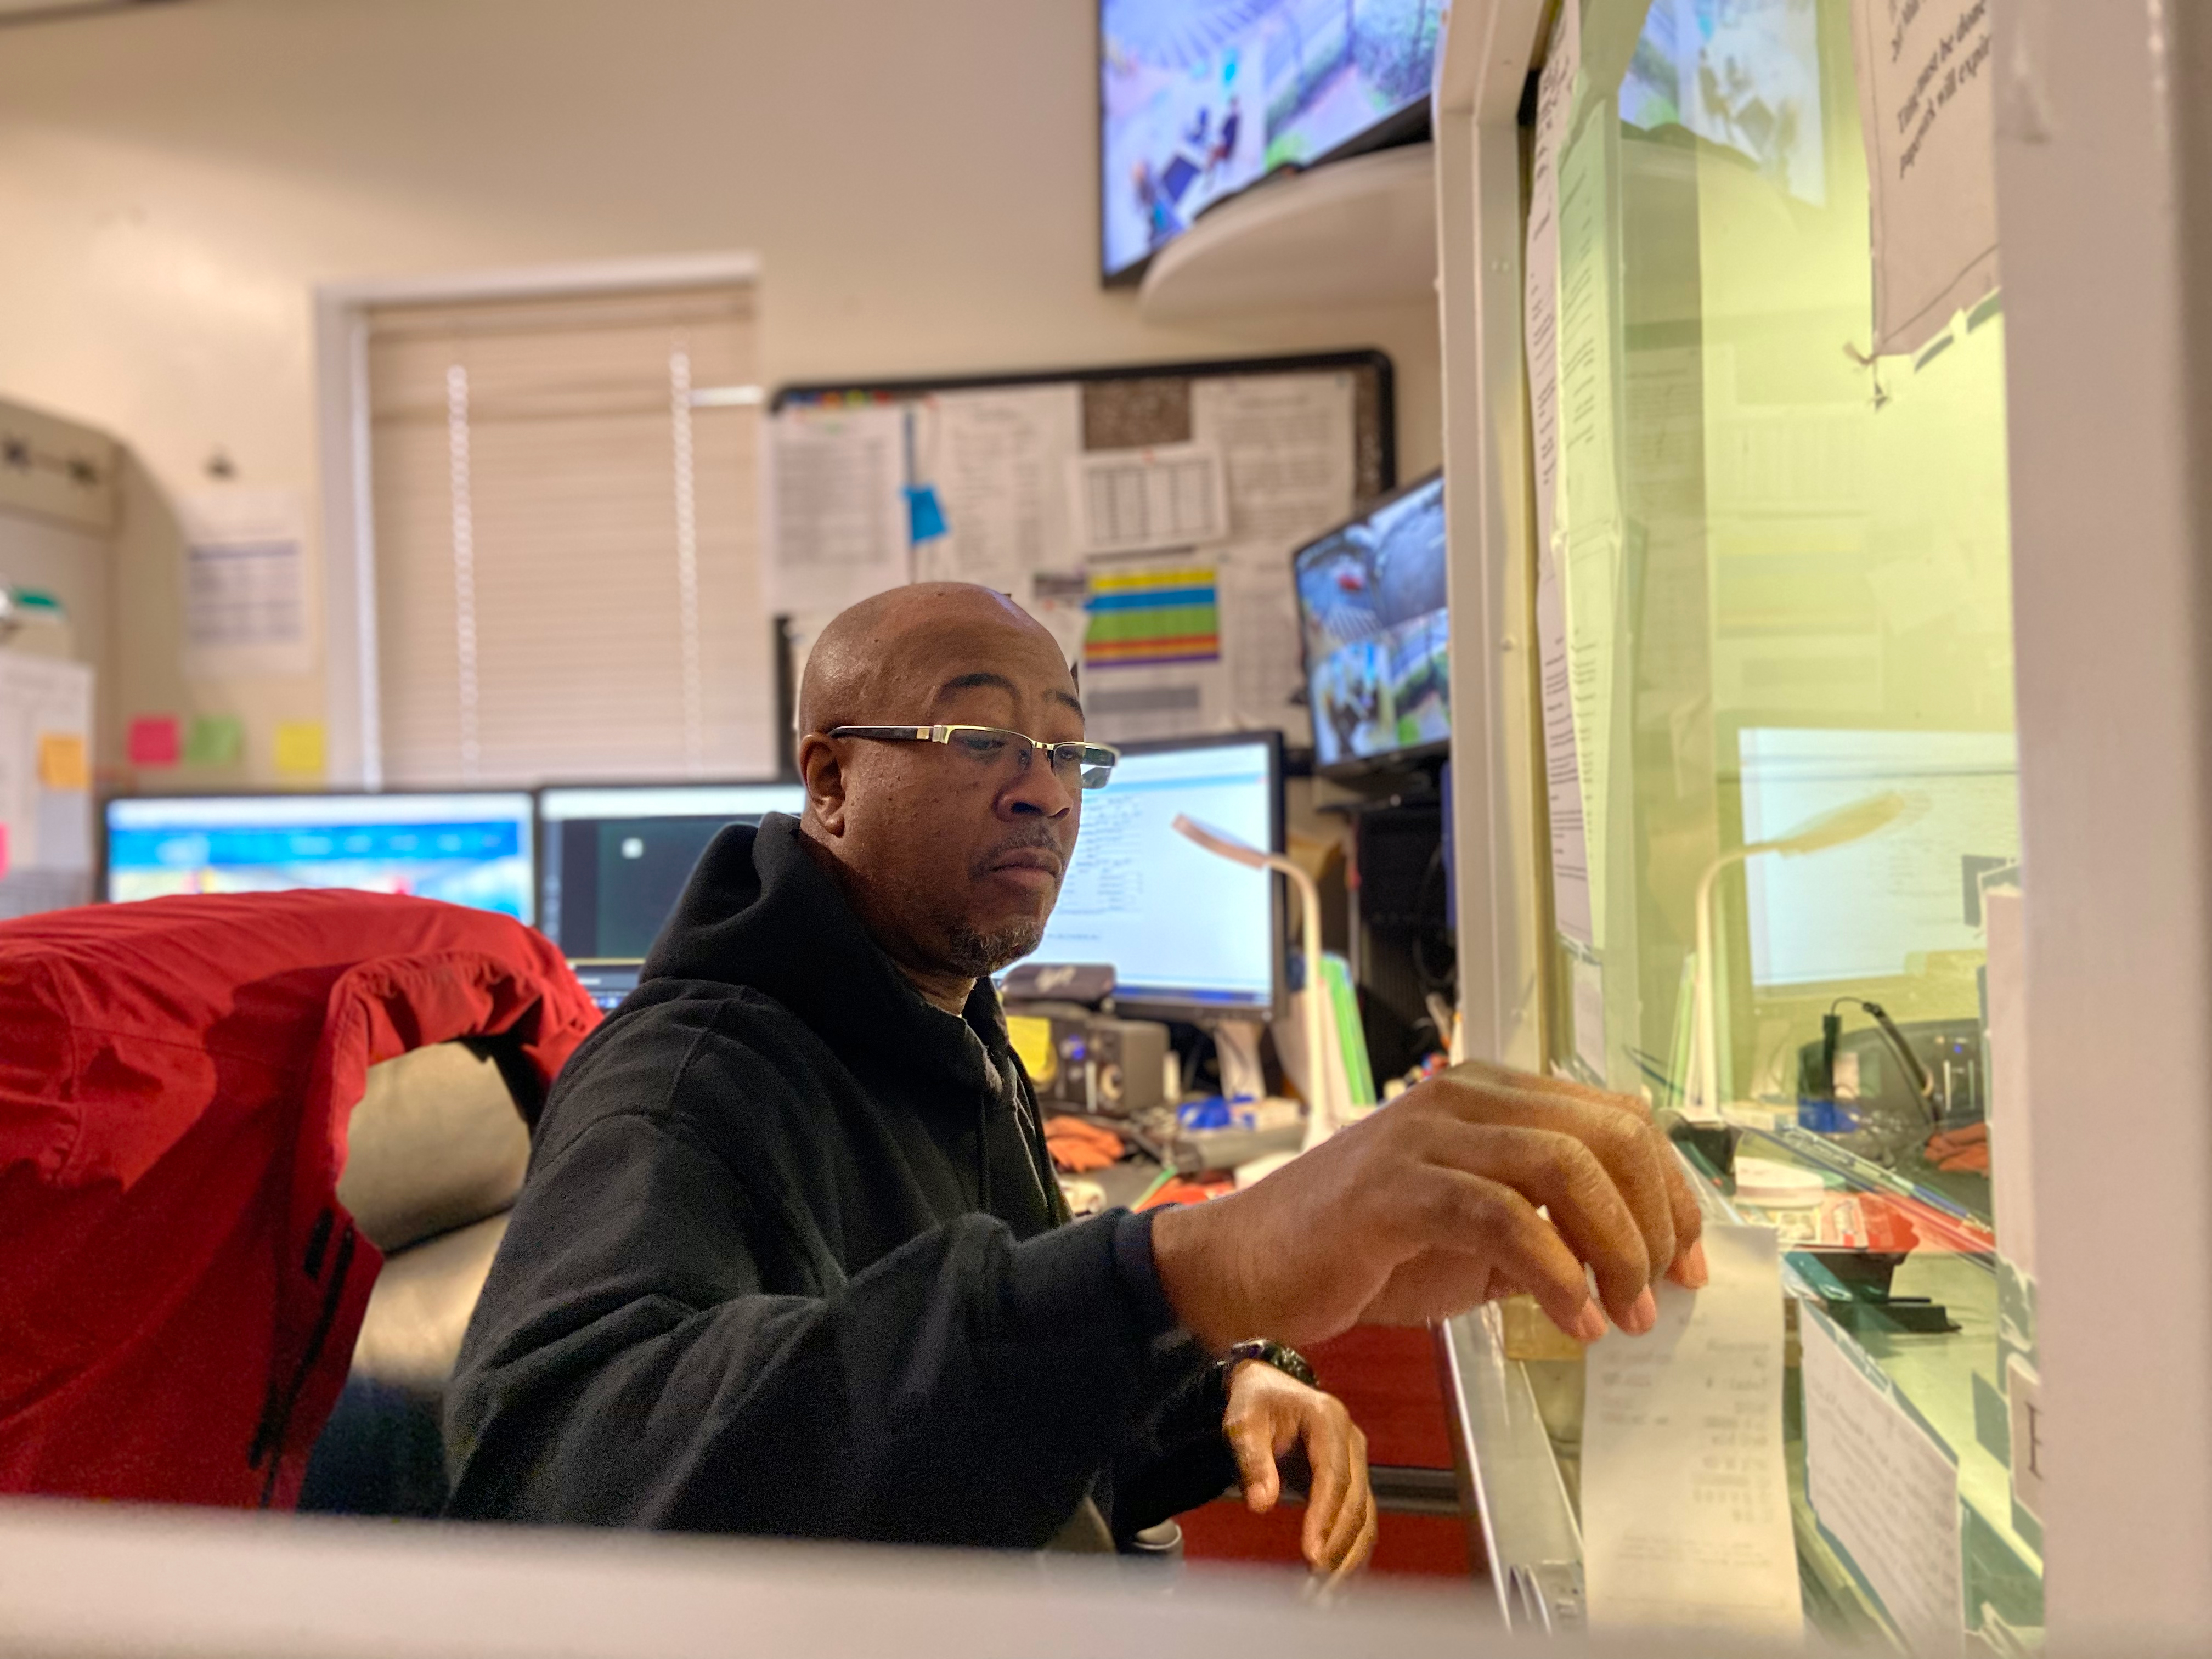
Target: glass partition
(1781,565)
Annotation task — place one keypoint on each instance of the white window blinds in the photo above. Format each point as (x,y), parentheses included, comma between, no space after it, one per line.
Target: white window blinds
(565,540)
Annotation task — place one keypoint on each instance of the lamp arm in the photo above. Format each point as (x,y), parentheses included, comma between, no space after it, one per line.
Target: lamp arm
(1321,1088)
(1706,1068)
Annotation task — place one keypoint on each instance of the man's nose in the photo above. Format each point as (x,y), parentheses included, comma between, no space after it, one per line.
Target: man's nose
(1037,790)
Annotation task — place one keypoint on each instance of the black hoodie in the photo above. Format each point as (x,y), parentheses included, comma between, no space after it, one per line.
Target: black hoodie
(790,1259)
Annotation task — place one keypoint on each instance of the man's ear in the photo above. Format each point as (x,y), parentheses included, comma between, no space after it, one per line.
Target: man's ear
(820,770)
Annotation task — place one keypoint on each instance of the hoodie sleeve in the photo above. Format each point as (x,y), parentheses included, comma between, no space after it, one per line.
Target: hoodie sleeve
(624,1366)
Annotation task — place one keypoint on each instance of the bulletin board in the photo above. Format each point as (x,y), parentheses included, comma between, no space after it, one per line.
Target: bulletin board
(1146,514)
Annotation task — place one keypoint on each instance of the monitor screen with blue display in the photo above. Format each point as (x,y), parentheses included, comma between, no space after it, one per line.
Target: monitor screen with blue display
(472,849)
(1187,933)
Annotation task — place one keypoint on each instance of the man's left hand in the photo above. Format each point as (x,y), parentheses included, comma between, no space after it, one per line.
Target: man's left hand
(1275,1422)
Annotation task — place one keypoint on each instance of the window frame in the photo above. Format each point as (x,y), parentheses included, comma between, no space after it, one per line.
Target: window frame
(353,712)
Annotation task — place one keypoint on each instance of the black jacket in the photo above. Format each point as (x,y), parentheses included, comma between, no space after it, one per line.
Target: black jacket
(790,1259)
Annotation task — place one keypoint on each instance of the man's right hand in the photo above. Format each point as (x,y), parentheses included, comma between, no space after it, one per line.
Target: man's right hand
(1429,1206)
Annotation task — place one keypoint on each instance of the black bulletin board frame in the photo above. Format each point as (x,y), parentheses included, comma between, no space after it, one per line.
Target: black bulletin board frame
(1375,432)
(1375,436)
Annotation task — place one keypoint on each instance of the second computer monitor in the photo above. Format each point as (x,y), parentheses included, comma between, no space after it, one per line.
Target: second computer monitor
(1189,934)
(613,860)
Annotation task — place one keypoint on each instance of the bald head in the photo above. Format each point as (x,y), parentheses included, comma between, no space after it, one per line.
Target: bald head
(868,663)
(951,857)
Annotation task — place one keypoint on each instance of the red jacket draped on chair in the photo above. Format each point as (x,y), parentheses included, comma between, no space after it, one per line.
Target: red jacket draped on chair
(179,1288)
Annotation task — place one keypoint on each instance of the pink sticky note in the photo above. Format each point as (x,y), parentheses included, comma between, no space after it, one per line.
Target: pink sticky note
(3,850)
(153,740)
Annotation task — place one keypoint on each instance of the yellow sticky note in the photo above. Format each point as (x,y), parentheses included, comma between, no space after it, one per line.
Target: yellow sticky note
(299,747)
(1031,1038)
(62,763)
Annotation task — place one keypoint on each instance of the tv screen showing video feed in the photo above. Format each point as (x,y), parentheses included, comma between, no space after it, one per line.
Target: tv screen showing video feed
(1371,603)
(1200,98)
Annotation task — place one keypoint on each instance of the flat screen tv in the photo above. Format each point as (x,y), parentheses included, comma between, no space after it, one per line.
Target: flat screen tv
(1199,99)
(1373,615)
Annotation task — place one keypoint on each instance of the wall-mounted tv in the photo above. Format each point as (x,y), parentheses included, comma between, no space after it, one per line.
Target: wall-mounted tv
(1199,99)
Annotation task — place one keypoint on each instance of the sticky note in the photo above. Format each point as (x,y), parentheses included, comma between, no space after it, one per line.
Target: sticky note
(62,763)
(152,740)
(925,514)
(299,747)
(4,849)
(214,740)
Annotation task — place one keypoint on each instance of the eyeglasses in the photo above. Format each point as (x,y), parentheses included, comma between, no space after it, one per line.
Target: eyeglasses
(1082,765)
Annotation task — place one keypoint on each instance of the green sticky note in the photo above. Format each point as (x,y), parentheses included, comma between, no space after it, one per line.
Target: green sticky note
(214,740)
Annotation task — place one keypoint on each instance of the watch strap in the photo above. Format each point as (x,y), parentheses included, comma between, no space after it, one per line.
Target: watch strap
(1288,1360)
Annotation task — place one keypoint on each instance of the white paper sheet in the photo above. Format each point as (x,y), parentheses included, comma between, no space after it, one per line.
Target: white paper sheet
(1135,500)
(998,459)
(1589,1016)
(837,507)
(1883,1488)
(1571,878)
(1286,448)
(1286,442)
(1260,647)
(1686,1500)
(1540,263)
(2012,1154)
(246,583)
(1130,704)
(1925,104)
(46,831)
(1570,874)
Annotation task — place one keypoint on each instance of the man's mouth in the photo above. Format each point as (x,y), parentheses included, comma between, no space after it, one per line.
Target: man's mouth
(1039,859)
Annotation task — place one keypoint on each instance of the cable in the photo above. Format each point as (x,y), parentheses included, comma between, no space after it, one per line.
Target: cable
(1832,1029)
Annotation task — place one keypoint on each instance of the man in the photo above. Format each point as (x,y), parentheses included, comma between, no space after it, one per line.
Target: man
(791,1259)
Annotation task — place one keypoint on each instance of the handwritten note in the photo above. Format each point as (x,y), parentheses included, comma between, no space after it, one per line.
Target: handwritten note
(1925,102)
(1883,1488)
(1686,1500)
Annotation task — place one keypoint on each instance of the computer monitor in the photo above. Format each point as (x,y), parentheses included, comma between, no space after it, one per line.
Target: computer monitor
(473,849)
(613,860)
(1371,612)
(1198,100)
(1188,934)
(1855,913)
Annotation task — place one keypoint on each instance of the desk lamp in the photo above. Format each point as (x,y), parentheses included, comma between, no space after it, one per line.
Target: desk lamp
(1321,1108)
(1850,823)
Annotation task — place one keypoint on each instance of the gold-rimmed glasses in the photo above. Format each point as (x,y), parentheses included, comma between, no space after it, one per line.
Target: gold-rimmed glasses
(1077,764)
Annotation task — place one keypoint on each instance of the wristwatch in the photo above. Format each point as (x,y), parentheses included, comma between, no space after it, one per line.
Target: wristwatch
(1289,1361)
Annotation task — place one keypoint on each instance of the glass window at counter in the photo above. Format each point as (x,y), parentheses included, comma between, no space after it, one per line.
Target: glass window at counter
(1777,584)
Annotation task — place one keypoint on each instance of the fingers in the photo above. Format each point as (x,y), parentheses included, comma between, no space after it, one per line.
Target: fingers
(1619,1133)
(1362,1547)
(1328,1448)
(1354,1513)
(1252,1443)
(1688,1266)
(1586,1204)
(1469,1232)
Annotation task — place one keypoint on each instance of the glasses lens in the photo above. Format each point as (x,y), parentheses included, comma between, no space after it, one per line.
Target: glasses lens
(984,745)
(1093,766)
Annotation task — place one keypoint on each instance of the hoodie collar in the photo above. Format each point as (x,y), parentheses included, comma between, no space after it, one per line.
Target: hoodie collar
(759,912)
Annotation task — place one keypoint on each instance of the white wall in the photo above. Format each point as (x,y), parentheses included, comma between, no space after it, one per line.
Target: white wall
(917,179)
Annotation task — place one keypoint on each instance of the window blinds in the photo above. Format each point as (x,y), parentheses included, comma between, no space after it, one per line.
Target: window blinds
(565,540)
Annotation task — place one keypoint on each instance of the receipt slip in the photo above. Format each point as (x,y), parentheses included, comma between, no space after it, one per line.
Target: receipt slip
(1686,1497)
